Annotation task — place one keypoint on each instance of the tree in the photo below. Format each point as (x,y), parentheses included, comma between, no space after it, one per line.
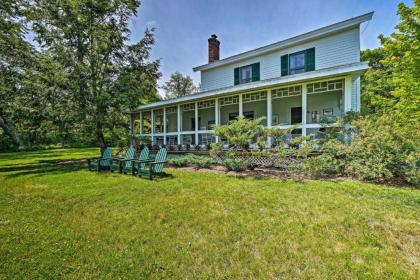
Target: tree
(16,55)
(88,38)
(178,86)
(239,132)
(393,82)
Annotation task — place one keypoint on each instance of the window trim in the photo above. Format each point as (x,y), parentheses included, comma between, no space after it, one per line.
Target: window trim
(298,68)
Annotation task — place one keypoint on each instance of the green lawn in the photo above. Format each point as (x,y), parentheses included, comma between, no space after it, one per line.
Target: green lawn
(63,221)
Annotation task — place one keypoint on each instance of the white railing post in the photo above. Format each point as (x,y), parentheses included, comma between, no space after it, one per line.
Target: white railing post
(304,108)
(131,124)
(141,123)
(196,122)
(178,125)
(241,107)
(164,125)
(152,121)
(269,116)
(347,94)
(217,116)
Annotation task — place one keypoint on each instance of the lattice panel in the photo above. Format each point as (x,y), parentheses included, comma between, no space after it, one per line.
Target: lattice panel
(255,96)
(286,91)
(325,86)
(206,104)
(230,100)
(188,107)
(171,110)
(158,112)
(259,161)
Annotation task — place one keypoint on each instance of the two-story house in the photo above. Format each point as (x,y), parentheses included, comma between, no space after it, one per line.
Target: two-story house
(303,81)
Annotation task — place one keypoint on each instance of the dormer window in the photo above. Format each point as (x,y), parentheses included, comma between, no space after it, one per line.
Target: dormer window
(247,74)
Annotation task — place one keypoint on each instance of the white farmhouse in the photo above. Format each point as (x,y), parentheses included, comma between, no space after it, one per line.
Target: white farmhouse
(304,81)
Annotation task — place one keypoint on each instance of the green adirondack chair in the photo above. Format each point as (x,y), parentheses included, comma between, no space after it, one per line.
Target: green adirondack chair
(101,163)
(153,167)
(141,162)
(123,165)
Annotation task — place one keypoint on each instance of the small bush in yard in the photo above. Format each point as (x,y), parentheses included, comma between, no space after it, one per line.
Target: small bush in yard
(178,161)
(191,159)
(237,165)
(199,161)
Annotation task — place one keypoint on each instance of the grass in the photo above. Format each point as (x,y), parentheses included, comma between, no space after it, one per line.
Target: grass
(61,221)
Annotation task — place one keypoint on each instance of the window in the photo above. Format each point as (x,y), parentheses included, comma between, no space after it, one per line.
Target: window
(246,74)
(297,63)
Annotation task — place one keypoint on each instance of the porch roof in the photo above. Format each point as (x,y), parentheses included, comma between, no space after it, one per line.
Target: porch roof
(353,68)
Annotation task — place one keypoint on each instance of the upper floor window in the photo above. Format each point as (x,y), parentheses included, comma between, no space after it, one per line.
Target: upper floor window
(299,62)
(246,74)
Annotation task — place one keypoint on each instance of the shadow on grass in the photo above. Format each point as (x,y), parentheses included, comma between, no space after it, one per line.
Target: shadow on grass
(39,169)
(22,155)
(49,167)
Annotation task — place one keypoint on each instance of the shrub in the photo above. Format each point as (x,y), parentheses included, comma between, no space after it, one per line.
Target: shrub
(239,132)
(203,162)
(381,148)
(191,159)
(200,161)
(235,164)
(178,161)
(315,166)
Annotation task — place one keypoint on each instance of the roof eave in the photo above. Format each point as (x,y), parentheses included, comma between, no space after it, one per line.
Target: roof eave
(311,35)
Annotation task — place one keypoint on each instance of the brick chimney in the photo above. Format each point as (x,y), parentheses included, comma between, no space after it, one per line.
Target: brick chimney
(213,48)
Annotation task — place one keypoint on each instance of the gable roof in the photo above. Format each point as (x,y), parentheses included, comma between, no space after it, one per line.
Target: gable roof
(317,33)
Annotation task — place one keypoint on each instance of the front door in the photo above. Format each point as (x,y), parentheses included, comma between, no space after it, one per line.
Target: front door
(296,114)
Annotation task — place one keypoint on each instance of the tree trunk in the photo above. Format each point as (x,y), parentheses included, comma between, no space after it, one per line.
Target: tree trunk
(100,136)
(10,131)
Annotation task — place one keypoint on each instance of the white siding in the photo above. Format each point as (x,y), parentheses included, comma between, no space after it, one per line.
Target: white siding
(341,48)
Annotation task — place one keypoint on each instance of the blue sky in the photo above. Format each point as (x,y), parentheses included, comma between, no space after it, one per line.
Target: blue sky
(183,26)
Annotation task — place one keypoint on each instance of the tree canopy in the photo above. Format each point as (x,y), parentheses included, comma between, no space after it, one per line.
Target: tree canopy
(81,79)
(179,85)
(393,82)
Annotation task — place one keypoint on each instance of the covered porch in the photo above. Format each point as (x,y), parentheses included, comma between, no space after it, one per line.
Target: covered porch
(306,106)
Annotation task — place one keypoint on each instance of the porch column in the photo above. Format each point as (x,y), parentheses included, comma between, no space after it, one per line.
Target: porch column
(164,125)
(216,116)
(269,116)
(304,108)
(178,125)
(131,124)
(141,122)
(347,94)
(152,131)
(196,122)
(241,107)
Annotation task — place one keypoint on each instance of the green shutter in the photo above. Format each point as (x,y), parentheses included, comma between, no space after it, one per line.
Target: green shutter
(285,65)
(236,74)
(310,59)
(255,71)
